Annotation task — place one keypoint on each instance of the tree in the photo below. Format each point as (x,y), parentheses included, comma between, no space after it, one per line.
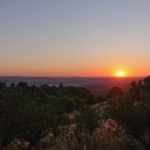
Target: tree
(13,104)
(146,84)
(23,85)
(100,99)
(90,99)
(88,118)
(115,91)
(133,112)
(135,89)
(22,117)
(86,122)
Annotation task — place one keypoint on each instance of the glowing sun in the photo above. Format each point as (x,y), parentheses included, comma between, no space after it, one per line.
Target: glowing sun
(120,74)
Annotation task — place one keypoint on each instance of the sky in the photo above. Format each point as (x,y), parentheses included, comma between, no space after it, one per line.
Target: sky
(74,37)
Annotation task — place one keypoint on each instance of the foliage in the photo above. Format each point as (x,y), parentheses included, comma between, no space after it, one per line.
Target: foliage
(132,110)
(30,112)
(33,114)
(114,91)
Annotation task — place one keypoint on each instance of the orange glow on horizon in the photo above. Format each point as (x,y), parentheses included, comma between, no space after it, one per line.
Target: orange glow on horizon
(43,69)
(121,71)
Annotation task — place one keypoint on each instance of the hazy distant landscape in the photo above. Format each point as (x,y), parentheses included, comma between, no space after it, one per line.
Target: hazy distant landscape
(98,85)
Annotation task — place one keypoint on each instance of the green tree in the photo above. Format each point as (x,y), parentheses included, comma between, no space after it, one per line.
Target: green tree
(114,91)
(133,112)
(90,99)
(87,118)
(22,117)
(146,84)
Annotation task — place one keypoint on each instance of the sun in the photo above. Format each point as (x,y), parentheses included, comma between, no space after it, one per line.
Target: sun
(120,74)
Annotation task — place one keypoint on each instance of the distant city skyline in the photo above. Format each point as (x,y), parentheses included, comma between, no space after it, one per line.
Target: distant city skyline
(75,38)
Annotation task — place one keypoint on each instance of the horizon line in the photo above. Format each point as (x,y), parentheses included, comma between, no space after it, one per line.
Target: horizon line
(73,76)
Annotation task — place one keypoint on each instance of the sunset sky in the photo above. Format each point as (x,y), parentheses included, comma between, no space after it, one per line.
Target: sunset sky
(74,37)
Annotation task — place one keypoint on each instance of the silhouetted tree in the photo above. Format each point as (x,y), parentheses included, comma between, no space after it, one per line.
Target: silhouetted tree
(114,91)
(132,113)
(146,84)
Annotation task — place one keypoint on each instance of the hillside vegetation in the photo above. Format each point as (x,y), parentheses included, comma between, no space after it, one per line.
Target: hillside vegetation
(72,118)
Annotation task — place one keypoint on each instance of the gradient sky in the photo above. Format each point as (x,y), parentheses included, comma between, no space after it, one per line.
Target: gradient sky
(74,37)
